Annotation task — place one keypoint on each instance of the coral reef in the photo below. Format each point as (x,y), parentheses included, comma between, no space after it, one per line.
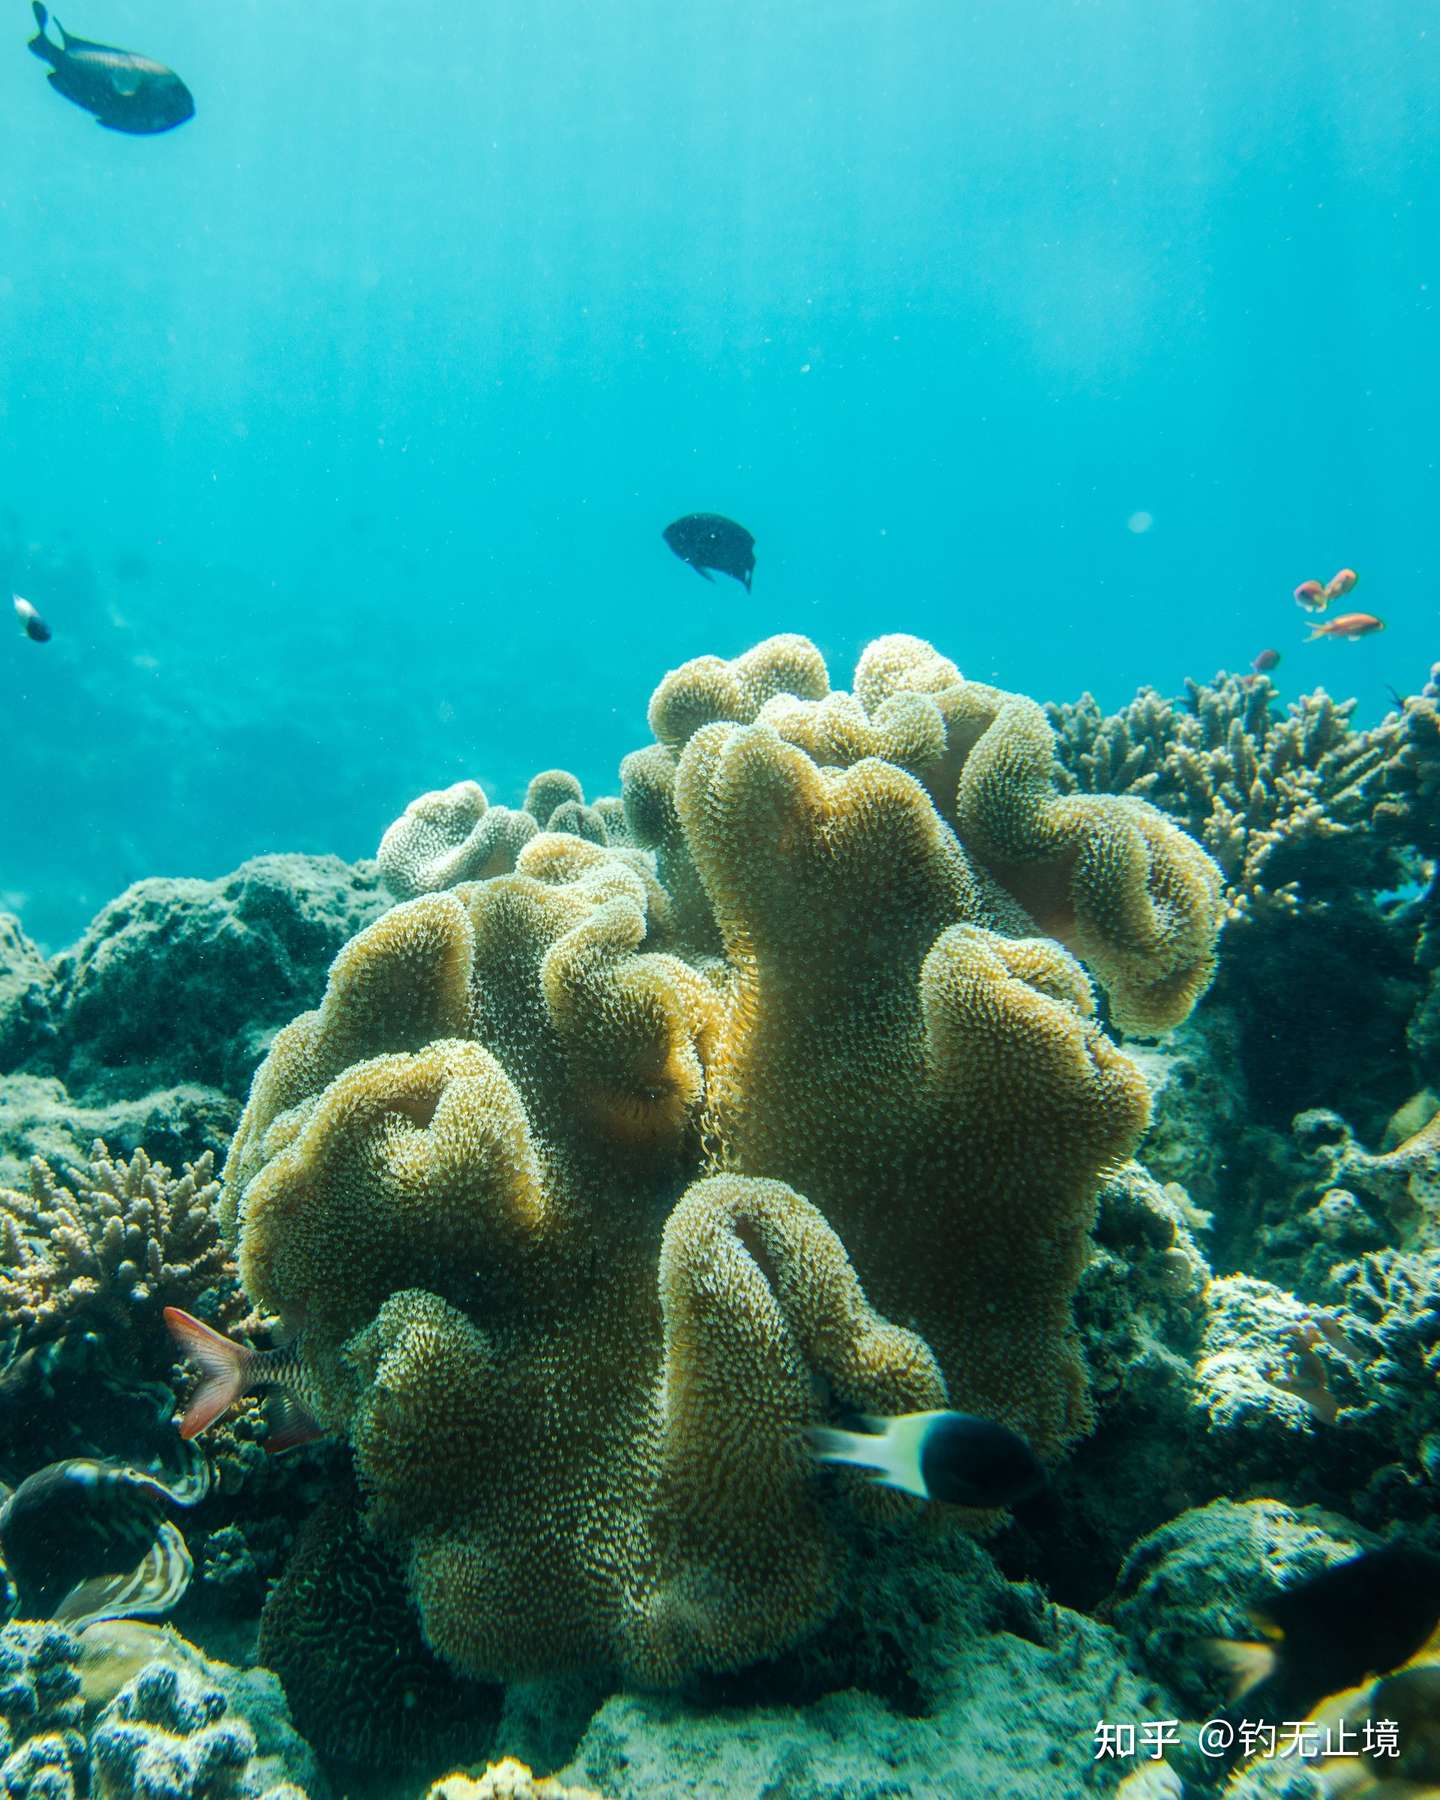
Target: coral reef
(362,1685)
(611,1160)
(108,1256)
(1196,1577)
(1284,801)
(124,1712)
(507,1780)
(148,1029)
(455,835)
(936,1678)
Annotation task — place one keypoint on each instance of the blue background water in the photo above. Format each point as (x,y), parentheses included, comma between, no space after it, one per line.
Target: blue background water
(338,428)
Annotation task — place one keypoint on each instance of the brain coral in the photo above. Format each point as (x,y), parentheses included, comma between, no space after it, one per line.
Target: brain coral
(594,1182)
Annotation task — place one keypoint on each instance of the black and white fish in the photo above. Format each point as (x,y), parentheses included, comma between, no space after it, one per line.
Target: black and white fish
(708,541)
(125,91)
(32,625)
(956,1457)
(86,1540)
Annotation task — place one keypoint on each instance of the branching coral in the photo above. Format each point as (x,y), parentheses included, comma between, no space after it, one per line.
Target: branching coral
(109,1255)
(1284,801)
(594,1182)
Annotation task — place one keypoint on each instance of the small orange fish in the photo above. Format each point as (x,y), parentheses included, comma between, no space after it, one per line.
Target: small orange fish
(1348,625)
(1311,596)
(1265,662)
(1339,585)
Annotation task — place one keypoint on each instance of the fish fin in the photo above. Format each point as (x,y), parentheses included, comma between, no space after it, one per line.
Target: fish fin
(290,1425)
(747,579)
(125,81)
(153,1586)
(224,1367)
(834,1446)
(704,574)
(41,44)
(1247,1665)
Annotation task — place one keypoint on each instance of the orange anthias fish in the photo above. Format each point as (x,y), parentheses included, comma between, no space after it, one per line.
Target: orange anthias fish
(1348,625)
(1315,598)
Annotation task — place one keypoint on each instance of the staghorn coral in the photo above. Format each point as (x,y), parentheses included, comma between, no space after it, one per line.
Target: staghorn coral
(1284,801)
(594,1183)
(129,1240)
(1410,808)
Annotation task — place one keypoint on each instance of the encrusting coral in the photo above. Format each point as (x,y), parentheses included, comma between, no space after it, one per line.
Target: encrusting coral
(594,1183)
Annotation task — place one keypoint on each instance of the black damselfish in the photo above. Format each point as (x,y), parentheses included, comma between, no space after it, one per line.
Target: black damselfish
(951,1456)
(1335,1629)
(707,541)
(125,91)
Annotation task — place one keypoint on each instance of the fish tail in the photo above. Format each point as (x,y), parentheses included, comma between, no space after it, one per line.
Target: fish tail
(224,1367)
(832,1445)
(1247,1665)
(41,43)
(1317,631)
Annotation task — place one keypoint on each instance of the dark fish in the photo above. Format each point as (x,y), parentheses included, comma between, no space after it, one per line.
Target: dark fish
(31,624)
(229,1371)
(125,91)
(707,541)
(34,1378)
(951,1456)
(1265,662)
(85,1540)
(1334,1630)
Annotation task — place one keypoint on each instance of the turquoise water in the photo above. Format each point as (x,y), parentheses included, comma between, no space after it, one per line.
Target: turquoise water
(338,428)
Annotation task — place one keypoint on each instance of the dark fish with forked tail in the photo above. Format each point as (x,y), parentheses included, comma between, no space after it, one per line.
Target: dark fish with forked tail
(707,541)
(125,91)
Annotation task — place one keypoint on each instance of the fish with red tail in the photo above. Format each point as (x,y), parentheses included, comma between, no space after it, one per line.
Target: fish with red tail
(229,1371)
(1347,625)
